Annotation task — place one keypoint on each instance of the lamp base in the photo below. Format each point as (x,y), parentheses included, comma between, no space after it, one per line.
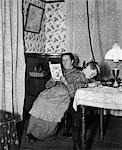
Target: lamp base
(115,72)
(115,84)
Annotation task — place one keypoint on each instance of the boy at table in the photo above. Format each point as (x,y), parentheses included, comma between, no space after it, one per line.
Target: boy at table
(89,72)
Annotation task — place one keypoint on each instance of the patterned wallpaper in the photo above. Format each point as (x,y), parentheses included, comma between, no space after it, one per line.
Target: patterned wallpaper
(55,28)
(51,38)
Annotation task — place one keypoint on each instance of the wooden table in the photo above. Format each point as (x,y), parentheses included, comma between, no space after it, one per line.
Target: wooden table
(100,97)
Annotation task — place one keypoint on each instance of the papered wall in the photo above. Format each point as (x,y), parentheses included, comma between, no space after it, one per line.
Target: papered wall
(34,42)
(55,28)
(51,38)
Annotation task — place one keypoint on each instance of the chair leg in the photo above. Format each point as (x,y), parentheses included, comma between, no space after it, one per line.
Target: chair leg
(83,134)
(101,123)
(67,125)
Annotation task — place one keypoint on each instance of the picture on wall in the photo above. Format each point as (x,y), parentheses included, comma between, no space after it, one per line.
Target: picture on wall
(34,18)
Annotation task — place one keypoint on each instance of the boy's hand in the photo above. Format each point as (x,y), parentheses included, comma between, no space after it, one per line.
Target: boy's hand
(94,84)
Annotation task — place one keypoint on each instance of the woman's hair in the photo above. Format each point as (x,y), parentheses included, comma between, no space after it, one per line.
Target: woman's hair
(94,65)
(70,54)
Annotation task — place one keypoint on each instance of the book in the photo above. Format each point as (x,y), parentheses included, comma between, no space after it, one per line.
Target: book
(56,71)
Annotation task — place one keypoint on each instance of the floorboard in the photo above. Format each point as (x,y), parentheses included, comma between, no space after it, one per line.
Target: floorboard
(112,138)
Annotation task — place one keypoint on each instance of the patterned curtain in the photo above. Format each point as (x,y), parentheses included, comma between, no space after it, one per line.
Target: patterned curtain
(94,26)
(12,63)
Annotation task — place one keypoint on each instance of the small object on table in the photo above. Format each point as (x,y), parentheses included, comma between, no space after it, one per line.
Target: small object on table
(107,82)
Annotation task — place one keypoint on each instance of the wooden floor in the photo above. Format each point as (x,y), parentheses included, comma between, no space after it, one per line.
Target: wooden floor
(112,138)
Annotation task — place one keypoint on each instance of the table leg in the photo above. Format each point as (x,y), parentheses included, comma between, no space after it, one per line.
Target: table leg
(101,123)
(83,134)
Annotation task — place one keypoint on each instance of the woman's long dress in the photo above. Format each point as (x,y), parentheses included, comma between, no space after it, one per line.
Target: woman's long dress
(51,104)
(47,111)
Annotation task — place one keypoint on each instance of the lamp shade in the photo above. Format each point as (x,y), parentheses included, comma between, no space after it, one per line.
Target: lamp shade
(114,54)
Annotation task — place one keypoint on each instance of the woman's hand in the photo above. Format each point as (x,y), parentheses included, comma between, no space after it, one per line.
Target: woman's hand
(50,83)
(63,80)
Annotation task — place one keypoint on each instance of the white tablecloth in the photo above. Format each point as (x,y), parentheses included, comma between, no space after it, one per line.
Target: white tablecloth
(101,97)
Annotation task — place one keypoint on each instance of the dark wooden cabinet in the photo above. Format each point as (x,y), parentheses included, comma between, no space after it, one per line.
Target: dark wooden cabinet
(35,85)
(36,63)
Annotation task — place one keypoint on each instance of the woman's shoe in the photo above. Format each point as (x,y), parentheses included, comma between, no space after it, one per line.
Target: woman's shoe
(31,138)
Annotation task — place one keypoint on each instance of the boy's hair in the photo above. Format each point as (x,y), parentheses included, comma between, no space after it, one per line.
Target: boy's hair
(70,54)
(94,65)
